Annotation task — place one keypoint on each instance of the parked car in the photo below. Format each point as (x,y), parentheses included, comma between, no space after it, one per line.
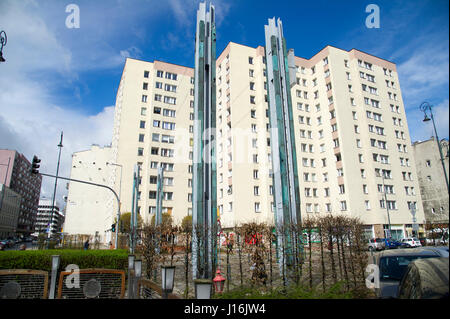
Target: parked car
(411,242)
(376,244)
(392,243)
(2,247)
(392,266)
(441,250)
(425,279)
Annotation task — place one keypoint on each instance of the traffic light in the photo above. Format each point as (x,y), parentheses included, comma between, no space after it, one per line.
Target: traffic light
(35,165)
(113,228)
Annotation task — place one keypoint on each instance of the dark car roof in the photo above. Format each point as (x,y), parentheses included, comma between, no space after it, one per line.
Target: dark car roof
(407,252)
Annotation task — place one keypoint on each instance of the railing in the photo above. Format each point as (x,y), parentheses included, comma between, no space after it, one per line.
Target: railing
(23,284)
(93,283)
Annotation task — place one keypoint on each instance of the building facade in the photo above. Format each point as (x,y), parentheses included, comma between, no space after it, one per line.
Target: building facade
(153,126)
(49,218)
(91,210)
(433,187)
(351,136)
(352,140)
(9,211)
(17,176)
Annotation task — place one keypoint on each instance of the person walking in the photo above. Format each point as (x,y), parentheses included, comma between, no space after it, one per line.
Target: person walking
(86,245)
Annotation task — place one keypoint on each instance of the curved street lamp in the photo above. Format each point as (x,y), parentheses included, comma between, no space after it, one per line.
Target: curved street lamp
(3,40)
(426,107)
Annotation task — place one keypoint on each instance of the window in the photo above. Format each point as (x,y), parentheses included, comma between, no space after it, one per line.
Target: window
(170,113)
(146,74)
(256,190)
(167,139)
(155,137)
(140,151)
(170,88)
(251,72)
(168,126)
(257,208)
(143,111)
(154,150)
(343,205)
(255,174)
(142,124)
(144,98)
(156,123)
(252,99)
(170,100)
(171,76)
(250,60)
(141,137)
(159,74)
(145,86)
(157,110)
(253,114)
(158,97)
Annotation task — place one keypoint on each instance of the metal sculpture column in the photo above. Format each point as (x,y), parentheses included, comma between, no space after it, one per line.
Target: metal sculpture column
(204,165)
(159,195)
(134,208)
(280,78)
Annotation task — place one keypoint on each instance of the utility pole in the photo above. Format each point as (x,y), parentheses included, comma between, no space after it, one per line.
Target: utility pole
(280,78)
(54,190)
(204,212)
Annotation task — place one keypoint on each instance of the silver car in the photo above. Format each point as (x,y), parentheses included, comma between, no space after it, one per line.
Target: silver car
(392,266)
(375,244)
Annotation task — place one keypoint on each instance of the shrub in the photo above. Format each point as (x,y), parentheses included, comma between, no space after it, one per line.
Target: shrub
(42,259)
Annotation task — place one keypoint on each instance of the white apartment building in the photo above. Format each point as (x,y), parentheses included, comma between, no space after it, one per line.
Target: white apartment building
(352,139)
(91,210)
(153,126)
(351,130)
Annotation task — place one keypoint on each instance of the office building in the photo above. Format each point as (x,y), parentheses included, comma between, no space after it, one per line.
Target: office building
(15,173)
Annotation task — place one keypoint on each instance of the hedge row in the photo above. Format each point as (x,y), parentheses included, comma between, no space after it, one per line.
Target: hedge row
(42,259)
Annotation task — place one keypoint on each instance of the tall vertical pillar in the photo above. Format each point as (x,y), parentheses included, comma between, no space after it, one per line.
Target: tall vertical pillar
(204,213)
(159,195)
(280,77)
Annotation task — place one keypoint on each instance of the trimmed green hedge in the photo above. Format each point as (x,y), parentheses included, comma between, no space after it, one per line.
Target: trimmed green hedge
(42,259)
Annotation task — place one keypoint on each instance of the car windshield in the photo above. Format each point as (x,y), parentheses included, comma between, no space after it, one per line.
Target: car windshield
(393,267)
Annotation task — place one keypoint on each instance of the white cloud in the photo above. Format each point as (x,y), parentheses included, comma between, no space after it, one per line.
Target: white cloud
(31,118)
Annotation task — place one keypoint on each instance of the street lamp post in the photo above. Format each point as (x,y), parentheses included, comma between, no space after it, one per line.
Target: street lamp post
(54,190)
(3,40)
(424,107)
(120,189)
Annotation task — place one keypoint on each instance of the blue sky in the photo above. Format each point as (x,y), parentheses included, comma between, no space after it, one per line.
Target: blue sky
(57,78)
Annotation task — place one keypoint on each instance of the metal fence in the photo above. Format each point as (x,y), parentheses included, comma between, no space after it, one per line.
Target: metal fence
(23,284)
(93,283)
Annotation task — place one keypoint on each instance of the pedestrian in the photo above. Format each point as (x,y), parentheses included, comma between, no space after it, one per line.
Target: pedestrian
(110,245)
(86,245)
